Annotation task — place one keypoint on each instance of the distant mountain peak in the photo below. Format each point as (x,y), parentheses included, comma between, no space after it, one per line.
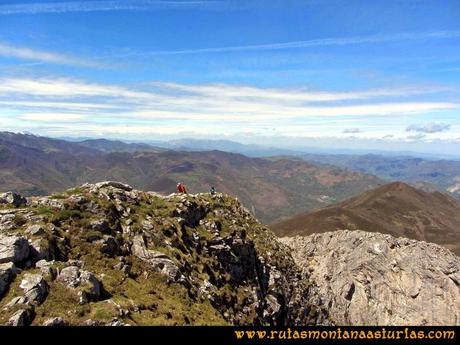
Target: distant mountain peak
(396,208)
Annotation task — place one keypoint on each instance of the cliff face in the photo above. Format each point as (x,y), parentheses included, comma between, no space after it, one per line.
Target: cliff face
(375,279)
(105,254)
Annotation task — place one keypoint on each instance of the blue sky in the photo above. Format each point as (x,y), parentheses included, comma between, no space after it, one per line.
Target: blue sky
(352,73)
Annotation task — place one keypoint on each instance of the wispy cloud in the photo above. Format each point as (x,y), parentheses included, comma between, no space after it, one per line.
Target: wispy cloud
(93,6)
(165,107)
(335,41)
(8,50)
(429,128)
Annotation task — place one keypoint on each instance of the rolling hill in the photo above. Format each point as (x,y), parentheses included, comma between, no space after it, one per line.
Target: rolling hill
(270,188)
(396,209)
(443,175)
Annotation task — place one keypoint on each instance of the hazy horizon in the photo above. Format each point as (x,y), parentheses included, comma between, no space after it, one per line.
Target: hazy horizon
(383,77)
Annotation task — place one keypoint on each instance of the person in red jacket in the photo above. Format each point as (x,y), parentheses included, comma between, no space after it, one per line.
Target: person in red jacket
(181,188)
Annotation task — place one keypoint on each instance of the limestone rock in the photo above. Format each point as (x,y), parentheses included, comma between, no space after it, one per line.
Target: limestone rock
(375,279)
(7,272)
(55,321)
(46,268)
(158,261)
(89,287)
(13,199)
(13,248)
(69,276)
(114,184)
(22,317)
(35,287)
(39,250)
(35,230)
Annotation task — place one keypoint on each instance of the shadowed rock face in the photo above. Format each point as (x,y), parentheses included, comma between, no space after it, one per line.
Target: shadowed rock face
(375,279)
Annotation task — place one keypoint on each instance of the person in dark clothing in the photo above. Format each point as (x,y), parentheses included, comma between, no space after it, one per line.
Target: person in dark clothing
(212,190)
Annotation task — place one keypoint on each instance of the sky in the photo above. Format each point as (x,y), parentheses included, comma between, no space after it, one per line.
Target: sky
(381,74)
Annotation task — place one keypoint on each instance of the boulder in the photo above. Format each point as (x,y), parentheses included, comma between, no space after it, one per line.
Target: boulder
(22,317)
(46,268)
(7,221)
(7,272)
(92,283)
(15,301)
(101,225)
(69,276)
(12,198)
(35,287)
(55,321)
(109,245)
(39,250)
(88,286)
(35,230)
(114,184)
(158,261)
(13,249)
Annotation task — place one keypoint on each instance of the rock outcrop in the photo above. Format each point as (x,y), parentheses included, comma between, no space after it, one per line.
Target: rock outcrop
(374,279)
(106,254)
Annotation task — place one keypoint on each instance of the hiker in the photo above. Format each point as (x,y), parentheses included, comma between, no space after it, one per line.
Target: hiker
(212,190)
(181,188)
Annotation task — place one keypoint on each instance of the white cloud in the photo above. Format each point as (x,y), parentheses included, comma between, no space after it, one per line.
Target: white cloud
(166,107)
(43,56)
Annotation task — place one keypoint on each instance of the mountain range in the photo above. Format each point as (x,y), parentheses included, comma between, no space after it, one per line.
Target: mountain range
(396,209)
(430,174)
(270,187)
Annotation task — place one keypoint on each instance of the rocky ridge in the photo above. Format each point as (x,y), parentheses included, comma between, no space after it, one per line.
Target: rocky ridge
(106,254)
(376,279)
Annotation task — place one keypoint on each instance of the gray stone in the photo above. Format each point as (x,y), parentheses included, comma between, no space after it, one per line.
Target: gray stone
(100,225)
(13,249)
(55,321)
(158,261)
(46,268)
(7,272)
(114,184)
(91,322)
(35,287)
(12,198)
(16,301)
(48,202)
(22,317)
(90,280)
(75,278)
(69,276)
(36,230)
(374,279)
(109,246)
(38,250)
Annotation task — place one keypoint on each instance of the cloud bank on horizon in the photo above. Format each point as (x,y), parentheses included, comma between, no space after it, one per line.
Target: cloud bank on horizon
(170,69)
